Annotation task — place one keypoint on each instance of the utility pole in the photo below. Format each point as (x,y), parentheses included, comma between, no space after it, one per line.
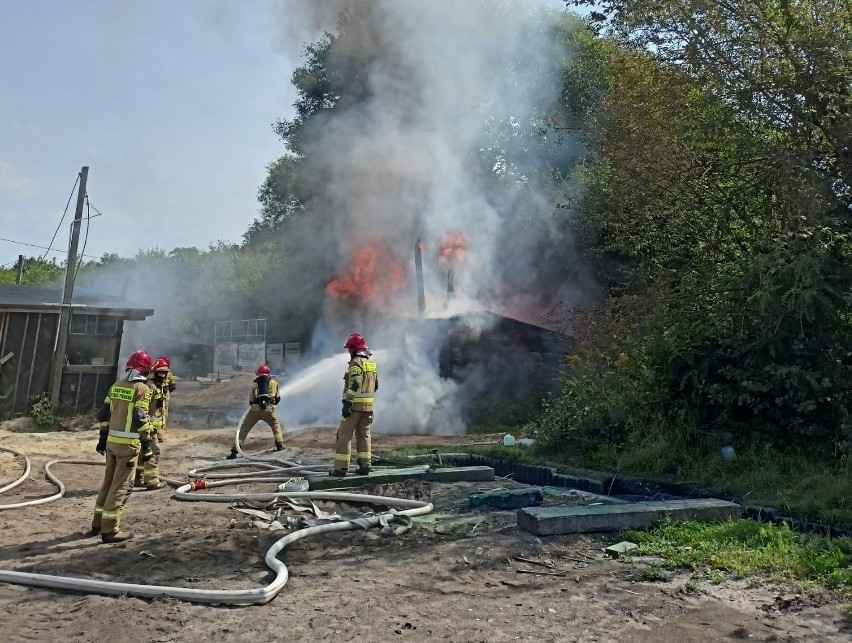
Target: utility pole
(20,270)
(67,293)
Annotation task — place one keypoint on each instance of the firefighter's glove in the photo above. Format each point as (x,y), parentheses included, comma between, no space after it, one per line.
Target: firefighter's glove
(147,451)
(102,440)
(347,409)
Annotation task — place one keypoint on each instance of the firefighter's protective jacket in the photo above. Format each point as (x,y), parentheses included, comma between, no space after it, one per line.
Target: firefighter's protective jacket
(264,393)
(360,382)
(156,406)
(169,386)
(124,414)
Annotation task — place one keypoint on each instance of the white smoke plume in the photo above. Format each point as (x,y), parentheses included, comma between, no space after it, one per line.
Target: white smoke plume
(437,132)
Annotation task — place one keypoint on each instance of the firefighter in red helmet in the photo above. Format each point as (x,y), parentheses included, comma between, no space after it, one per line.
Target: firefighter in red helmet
(162,373)
(360,383)
(262,401)
(148,473)
(125,435)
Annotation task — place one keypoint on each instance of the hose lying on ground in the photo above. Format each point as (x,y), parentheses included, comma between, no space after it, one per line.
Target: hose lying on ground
(399,508)
(50,476)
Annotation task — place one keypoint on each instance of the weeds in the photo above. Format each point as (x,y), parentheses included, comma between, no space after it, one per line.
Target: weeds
(42,412)
(744,549)
(653,574)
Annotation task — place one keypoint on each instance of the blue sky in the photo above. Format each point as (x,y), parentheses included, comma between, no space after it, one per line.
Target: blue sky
(168,101)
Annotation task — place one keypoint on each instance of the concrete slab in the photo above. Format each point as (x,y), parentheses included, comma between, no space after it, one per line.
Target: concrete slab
(450,474)
(576,493)
(505,499)
(460,474)
(545,521)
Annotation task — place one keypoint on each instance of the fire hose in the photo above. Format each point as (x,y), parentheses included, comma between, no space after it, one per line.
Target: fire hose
(400,508)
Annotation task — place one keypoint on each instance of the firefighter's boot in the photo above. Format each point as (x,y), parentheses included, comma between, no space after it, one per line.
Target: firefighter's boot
(233,454)
(140,479)
(279,446)
(337,473)
(116,537)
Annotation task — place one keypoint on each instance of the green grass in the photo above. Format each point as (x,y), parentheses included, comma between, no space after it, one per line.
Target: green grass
(746,549)
(799,484)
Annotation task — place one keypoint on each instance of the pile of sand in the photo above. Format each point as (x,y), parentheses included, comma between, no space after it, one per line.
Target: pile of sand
(227,393)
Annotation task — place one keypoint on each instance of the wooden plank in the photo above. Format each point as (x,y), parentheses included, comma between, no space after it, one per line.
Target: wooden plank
(32,362)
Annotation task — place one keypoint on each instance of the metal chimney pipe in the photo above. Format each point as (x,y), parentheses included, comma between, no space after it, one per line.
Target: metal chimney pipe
(418,266)
(451,284)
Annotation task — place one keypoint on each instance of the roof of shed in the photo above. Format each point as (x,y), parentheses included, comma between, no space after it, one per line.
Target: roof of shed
(49,299)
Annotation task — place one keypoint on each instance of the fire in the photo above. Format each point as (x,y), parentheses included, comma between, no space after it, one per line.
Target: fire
(374,276)
(452,249)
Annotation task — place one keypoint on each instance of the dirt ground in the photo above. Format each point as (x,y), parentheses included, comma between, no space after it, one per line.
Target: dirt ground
(454,577)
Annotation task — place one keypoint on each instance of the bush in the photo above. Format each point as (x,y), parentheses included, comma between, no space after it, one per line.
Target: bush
(42,412)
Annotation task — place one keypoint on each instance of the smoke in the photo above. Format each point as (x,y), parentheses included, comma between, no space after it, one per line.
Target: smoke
(437,135)
(442,133)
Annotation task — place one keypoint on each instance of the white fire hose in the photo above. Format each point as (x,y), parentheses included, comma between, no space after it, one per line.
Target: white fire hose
(258,596)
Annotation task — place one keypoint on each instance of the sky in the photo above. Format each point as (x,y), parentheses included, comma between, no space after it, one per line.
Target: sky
(170,104)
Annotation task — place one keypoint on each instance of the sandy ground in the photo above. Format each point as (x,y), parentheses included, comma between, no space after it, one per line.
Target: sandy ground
(454,577)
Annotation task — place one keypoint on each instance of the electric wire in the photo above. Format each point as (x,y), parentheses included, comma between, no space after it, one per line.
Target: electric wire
(59,225)
(34,245)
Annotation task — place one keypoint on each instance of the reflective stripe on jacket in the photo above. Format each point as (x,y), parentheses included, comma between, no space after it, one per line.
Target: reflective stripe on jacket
(123,398)
(361,383)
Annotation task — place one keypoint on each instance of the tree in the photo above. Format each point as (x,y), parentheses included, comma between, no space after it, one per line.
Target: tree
(781,64)
(37,272)
(718,204)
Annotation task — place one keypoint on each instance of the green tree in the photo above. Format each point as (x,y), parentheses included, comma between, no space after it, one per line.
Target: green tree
(717,209)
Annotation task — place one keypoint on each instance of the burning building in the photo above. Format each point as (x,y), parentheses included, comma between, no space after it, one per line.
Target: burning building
(430,130)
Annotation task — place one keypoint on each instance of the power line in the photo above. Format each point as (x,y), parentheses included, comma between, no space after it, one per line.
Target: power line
(59,225)
(33,245)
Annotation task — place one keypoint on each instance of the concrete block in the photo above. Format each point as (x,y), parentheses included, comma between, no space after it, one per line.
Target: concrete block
(545,521)
(591,497)
(761,514)
(503,499)
(618,549)
(460,474)
(384,476)
(387,476)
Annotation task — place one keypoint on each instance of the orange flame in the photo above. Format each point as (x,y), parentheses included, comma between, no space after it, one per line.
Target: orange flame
(374,276)
(452,249)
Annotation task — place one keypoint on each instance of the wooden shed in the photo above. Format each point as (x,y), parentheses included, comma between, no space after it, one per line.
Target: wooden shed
(519,360)
(29,318)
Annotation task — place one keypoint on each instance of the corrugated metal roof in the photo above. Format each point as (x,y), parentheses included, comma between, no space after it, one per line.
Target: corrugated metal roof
(50,298)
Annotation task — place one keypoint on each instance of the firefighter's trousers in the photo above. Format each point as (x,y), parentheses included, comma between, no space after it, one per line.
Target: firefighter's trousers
(161,430)
(120,464)
(358,424)
(257,414)
(148,472)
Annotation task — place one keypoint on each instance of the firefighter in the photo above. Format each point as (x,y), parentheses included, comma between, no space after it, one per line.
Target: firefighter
(125,435)
(360,382)
(147,473)
(262,401)
(167,379)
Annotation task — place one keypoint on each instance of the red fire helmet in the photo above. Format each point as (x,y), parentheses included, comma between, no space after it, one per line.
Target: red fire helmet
(160,365)
(355,343)
(165,358)
(140,361)
(263,369)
